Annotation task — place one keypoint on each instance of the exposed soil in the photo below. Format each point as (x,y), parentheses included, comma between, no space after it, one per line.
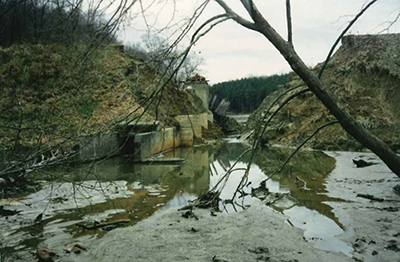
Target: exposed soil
(54,95)
(363,76)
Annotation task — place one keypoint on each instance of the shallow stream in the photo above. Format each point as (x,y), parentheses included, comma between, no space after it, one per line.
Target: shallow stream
(119,190)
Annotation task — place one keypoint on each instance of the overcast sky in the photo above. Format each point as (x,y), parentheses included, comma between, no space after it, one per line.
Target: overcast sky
(231,51)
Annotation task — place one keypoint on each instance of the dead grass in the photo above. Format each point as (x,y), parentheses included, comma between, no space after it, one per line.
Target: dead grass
(48,91)
(363,81)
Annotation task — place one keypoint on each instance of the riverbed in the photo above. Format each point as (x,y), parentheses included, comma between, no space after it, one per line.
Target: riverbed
(326,221)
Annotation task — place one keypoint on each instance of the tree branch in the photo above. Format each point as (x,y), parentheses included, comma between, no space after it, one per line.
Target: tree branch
(238,19)
(256,141)
(342,34)
(289,22)
(299,147)
(366,138)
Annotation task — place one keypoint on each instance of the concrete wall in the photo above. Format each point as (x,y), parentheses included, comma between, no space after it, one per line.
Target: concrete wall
(195,122)
(210,117)
(202,90)
(150,143)
(99,146)
(186,136)
(144,145)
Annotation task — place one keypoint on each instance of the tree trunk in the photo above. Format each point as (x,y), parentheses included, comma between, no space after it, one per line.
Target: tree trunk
(349,124)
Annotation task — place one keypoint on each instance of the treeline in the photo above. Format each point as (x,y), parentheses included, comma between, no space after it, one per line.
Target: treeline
(246,94)
(49,21)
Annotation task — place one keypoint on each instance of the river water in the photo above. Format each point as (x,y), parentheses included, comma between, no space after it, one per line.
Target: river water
(119,190)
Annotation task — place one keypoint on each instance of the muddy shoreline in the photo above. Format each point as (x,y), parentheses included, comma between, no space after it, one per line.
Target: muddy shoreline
(369,230)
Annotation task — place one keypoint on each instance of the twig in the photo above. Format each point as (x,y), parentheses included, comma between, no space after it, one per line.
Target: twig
(298,148)
(342,34)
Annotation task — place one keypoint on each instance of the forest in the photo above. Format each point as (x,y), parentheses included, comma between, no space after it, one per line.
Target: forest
(45,22)
(246,94)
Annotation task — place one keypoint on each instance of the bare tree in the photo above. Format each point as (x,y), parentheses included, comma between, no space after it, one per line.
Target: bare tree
(261,25)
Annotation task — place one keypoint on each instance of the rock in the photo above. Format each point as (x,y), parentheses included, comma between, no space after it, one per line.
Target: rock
(260,250)
(44,255)
(39,218)
(280,200)
(193,230)
(260,192)
(77,249)
(6,212)
(362,163)
(215,259)
(396,190)
(263,258)
(393,246)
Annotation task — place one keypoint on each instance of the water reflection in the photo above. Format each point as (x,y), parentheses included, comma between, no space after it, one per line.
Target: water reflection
(136,191)
(312,167)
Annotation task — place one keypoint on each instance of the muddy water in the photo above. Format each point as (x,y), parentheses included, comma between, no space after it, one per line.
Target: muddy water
(119,190)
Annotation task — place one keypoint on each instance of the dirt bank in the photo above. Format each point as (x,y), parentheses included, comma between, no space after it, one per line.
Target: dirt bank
(363,76)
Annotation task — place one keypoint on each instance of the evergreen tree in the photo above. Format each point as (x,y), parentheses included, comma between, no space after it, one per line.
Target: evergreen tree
(246,94)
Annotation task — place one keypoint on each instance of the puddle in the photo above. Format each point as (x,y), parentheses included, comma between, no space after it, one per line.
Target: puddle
(118,189)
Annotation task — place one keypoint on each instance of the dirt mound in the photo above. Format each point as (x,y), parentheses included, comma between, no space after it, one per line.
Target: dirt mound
(364,77)
(51,93)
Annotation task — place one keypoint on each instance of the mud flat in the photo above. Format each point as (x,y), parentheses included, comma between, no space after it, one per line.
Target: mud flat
(372,227)
(331,223)
(257,234)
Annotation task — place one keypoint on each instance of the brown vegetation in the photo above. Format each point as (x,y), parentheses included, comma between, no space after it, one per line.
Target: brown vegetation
(363,77)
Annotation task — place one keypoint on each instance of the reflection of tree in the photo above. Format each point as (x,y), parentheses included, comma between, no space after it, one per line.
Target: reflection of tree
(311,166)
(230,151)
(169,180)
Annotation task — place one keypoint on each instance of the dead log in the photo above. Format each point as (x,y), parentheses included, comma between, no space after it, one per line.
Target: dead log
(106,224)
(370,197)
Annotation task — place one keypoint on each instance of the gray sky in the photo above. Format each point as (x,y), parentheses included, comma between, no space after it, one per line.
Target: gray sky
(231,51)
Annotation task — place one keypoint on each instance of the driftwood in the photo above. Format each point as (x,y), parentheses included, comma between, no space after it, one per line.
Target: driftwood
(7,212)
(189,214)
(106,224)
(371,197)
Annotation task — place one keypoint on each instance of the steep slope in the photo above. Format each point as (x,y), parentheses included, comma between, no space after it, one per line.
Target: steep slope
(364,76)
(51,93)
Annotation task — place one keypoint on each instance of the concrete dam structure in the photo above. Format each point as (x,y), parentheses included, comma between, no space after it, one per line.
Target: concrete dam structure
(146,139)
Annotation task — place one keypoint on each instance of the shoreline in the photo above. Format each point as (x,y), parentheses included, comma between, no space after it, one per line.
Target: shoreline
(371,229)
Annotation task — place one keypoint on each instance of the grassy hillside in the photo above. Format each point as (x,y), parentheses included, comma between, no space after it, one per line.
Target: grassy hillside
(364,76)
(51,93)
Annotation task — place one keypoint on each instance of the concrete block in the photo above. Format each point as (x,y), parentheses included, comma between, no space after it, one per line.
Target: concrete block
(99,146)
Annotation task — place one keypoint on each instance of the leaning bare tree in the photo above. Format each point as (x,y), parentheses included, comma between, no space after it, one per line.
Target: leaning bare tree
(313,81)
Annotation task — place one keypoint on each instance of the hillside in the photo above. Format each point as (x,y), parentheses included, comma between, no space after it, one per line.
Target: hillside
(246,94)
(55,93)
(364,76)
